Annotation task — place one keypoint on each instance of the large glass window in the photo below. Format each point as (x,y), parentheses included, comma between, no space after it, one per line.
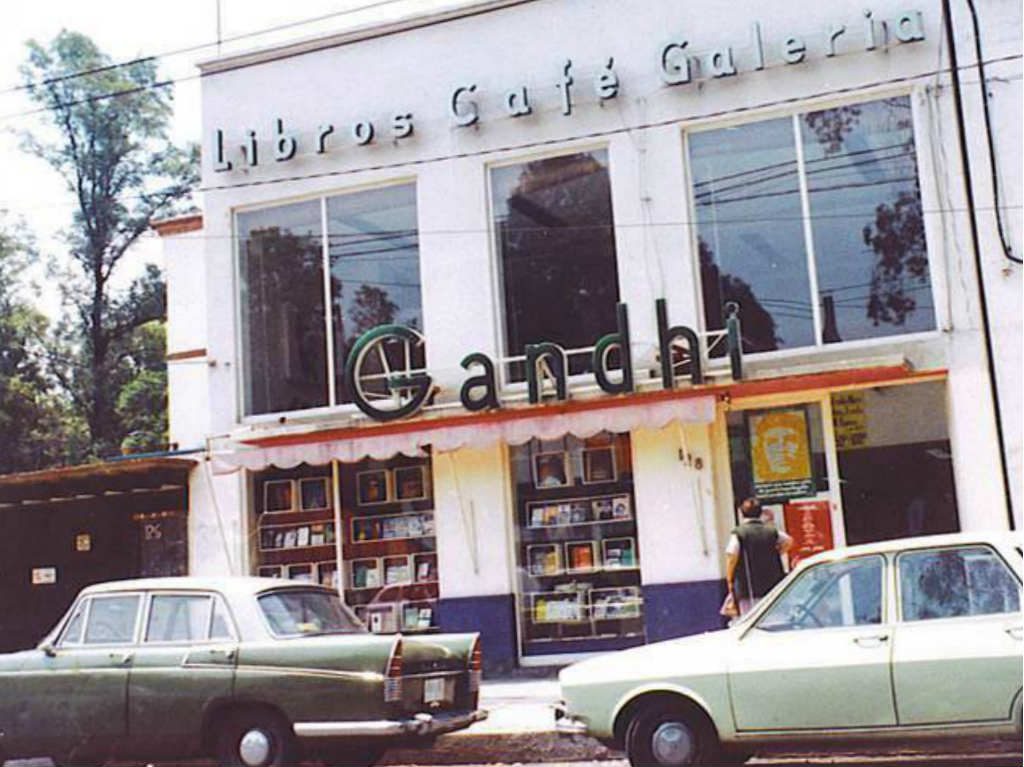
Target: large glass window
(579,566)
(851,172)
(556,248)
(282,308)
(375,266)
(955,583)
(895,462)
(373,251)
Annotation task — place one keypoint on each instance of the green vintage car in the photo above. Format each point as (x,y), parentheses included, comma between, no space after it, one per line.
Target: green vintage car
(255,672)
(911,639)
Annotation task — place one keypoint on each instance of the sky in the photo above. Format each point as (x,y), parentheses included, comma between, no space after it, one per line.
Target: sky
(31,191)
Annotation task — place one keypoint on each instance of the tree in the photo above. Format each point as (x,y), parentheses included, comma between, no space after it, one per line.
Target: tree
(105,132)
(142,400)
(35,426)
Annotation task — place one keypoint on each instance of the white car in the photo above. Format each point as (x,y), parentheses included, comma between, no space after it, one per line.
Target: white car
(915,638)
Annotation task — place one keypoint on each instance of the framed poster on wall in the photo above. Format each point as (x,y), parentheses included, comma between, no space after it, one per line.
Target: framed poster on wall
(780,453)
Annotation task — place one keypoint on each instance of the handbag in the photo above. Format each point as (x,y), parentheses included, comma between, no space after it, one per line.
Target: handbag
(729,608)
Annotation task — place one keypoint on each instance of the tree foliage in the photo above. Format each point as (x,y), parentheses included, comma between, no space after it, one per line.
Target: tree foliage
(35,425)
(106,134)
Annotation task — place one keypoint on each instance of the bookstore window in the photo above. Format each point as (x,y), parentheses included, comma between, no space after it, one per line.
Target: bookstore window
(389,544)
(578,561)
(851,171)
(556,253)
(295,525)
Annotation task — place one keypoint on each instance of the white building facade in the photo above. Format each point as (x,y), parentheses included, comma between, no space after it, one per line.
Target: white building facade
(761,220)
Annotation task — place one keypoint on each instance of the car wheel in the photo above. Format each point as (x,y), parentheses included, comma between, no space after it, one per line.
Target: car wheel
(671,735)
(355,755)
(255,739)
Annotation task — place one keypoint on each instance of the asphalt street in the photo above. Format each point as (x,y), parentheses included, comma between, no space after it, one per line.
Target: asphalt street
(945,760)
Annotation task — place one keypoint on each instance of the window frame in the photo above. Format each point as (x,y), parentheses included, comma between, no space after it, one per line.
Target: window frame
(921,103)
(215,599)
(332,406)
(307,587)
(136,629)
(85,603)
(884,584)
(949,547)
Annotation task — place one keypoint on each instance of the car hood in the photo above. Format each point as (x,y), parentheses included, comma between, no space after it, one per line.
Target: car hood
(697,655)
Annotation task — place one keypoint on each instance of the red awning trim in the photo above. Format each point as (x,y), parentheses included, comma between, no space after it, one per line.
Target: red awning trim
(582,418)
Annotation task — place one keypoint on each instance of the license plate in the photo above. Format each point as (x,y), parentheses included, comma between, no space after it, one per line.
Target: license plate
(433,690)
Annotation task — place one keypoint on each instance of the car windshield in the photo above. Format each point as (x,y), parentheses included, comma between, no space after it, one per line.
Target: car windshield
(305,613)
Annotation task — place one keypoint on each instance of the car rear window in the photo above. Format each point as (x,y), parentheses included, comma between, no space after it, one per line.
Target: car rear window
(307,613)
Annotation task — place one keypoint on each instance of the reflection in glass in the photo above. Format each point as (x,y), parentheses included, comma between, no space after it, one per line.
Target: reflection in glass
(868,229)
(830,596)
(576,545)
(282,308)
(956,583)
(750,234)
(375,271)
(556,246)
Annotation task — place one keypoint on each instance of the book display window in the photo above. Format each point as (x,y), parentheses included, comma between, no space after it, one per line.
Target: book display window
(389,544)
(579,565)
(295,525)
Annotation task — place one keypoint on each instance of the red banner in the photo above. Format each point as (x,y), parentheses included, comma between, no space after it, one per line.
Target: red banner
(809,523)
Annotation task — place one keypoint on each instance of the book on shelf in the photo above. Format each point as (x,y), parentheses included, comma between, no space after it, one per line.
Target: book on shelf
(396,572)
(581,556)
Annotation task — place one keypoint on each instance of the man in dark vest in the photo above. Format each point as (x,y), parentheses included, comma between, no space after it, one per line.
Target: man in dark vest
(753,562)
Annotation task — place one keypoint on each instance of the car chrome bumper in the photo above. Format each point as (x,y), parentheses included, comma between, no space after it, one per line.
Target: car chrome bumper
(419,725)
(567,725)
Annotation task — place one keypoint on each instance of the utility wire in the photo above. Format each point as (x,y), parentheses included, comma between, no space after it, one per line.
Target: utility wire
(194,48)
(993,171)
(598,134)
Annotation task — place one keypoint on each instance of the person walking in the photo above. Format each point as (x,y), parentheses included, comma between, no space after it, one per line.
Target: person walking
(753,563)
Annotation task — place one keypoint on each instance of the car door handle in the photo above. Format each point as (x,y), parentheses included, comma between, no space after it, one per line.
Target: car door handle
(122,658)
(875,640)
(1015,632)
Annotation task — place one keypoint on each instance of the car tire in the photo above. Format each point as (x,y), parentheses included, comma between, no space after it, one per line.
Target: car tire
(355,755)
(670,734)
(255,739)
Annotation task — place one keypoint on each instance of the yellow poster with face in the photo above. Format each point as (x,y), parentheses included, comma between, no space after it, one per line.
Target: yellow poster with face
(780,453)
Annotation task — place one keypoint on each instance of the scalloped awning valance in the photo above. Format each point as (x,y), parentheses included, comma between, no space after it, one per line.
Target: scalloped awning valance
(513,427)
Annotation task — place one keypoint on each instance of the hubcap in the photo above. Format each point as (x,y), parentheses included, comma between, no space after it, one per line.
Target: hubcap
(672,743)
(254,748)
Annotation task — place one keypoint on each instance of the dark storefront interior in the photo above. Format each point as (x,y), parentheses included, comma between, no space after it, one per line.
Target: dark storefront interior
(68,528)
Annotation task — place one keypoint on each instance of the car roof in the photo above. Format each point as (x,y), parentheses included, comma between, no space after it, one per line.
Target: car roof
(997,538)
(227,585)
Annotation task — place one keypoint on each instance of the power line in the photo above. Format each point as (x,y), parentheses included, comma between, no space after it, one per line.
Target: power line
(597,134)
(645,224)
(195,48)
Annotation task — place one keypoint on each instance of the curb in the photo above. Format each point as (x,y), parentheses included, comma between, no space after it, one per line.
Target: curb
(504,748)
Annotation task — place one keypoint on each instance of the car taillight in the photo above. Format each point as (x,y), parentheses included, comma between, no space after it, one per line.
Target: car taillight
(476,666)
(393,675)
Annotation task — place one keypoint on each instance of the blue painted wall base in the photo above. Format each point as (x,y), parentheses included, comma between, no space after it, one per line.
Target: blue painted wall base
(494,617)
(679,609)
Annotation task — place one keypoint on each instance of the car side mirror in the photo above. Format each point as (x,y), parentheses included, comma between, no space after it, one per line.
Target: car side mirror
(48,649)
